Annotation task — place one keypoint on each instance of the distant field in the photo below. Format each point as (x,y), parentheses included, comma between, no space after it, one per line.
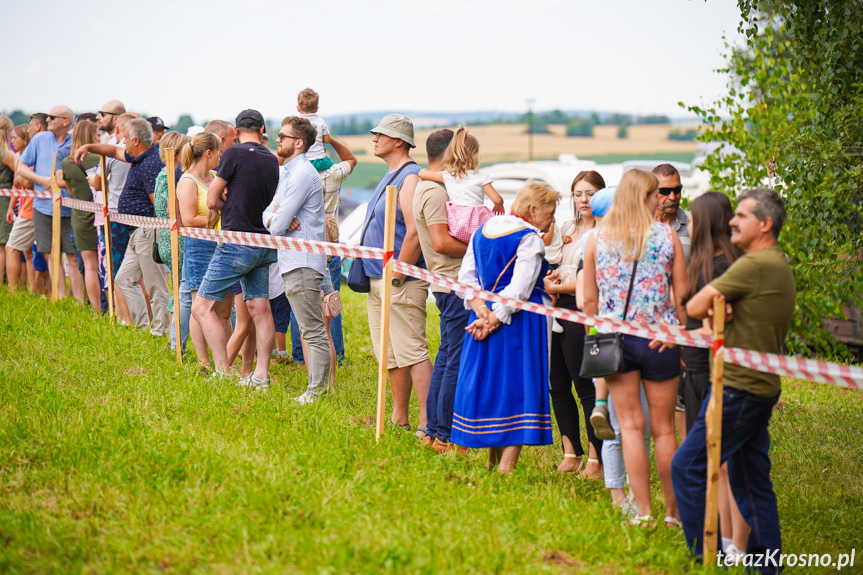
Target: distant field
(508,143)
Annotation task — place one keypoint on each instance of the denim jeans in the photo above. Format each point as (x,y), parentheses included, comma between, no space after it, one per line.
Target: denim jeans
(612,452)
(185,311)
(746,447)
(453,320)
(335,266)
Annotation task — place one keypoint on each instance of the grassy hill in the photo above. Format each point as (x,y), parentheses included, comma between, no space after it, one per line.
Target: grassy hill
(114,459)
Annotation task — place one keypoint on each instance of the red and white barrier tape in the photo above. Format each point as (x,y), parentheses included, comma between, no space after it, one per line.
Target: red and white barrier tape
(809,369)
(138,221)
(837,374)
(20,193)
(81,205)
(282,242)
(668,333)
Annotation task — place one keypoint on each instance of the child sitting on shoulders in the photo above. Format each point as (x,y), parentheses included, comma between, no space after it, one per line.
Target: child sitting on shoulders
(307,106)
(465,186)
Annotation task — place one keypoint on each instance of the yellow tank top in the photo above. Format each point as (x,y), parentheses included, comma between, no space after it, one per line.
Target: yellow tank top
(203,210)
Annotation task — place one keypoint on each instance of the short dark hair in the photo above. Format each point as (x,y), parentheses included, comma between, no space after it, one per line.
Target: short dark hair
(303,129)
(437,143)
(666,171)
(768,204)
(86,116)
(41,119)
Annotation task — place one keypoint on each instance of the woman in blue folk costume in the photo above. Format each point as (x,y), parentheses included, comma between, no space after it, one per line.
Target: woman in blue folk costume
(501,399)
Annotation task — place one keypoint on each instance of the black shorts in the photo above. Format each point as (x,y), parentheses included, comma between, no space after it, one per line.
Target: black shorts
(654,366)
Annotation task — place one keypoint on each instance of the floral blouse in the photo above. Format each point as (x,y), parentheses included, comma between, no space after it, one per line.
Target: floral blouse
(651,300)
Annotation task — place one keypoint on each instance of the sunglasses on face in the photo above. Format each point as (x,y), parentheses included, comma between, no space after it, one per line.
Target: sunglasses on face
(282,136)
(103,114)
(55,117)
(666,191)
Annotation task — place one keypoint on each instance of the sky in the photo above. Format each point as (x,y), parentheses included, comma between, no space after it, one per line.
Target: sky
(214,58)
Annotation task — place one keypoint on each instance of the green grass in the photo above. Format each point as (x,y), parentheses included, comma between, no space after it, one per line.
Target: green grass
(114,459)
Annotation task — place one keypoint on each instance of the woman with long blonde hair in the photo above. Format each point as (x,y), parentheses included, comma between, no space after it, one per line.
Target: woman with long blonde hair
(199,157)
(630,268)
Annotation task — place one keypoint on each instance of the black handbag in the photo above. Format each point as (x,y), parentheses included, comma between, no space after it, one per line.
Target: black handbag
(603,352)
(358,280)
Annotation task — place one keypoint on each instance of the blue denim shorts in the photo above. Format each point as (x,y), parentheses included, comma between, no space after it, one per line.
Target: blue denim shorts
(654,366)
(233,262)
(196,260)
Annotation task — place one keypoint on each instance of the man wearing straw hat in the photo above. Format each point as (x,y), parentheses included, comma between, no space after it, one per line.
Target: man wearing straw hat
(407,355)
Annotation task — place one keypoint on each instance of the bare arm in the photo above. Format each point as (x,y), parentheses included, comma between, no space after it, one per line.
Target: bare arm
(445,244)
(187,197)
(61,183)
(492,194)
(214,194)
(26,172)
(107,150)
(590,291)
(431,175)
(10,213)
(678,279)
(579,289)
(345,154)
(410,250)
(10,158)
(698,306)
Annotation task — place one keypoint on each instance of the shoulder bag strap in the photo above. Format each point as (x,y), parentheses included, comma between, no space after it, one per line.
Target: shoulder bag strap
(366,226)
(629,293)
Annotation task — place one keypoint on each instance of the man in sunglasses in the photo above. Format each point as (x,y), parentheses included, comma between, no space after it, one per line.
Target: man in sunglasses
(35,165)
(669,210)
(107,118)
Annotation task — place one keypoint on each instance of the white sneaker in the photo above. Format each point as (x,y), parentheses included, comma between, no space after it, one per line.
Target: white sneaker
(306,398)
(555,326)
(736,554)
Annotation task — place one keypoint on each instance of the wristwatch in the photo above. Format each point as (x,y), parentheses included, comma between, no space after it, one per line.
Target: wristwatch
(397,282)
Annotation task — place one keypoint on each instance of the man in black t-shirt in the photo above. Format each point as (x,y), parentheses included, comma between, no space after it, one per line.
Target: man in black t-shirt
(251,173)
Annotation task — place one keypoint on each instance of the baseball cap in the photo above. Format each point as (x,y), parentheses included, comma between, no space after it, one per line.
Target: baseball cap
(250,119)
(396,126)
(601,201)
(157,123)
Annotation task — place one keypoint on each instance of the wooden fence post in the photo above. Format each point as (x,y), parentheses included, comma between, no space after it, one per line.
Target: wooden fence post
(386,301)
(713,421)
(175,248)
(109,266)
(56,227)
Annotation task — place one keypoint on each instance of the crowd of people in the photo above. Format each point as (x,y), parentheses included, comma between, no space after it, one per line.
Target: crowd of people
(629,252)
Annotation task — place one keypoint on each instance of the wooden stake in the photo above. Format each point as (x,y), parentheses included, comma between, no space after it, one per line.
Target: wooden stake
(56,228)
(109,266)
(713,421)
(386,301)
(175,248)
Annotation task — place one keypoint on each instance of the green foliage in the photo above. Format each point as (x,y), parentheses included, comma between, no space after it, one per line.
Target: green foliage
(351,127)
(623,130)
(114,459)
(795,113)
(18,117)
(537,126)
(184,122)
(581,127)
(654,119)
(682,135)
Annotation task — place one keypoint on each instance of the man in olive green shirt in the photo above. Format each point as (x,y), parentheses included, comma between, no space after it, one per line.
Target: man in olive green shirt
(760,290)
